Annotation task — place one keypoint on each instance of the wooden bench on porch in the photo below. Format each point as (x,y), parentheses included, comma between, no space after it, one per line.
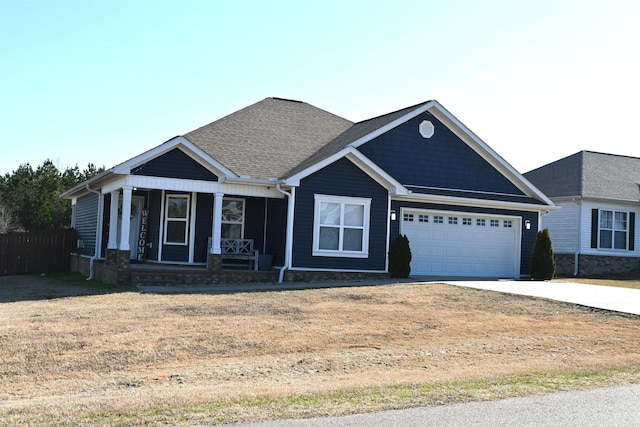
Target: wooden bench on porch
(239,249)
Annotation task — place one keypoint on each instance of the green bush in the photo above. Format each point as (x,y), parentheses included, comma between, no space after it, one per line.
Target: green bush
(543,266)
(400,257)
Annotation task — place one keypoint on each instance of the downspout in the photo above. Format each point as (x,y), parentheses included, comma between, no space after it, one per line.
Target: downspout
(289,233)
(576,262)
(96,251)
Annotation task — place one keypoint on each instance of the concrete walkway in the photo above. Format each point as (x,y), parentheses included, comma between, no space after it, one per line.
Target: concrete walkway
(624,300)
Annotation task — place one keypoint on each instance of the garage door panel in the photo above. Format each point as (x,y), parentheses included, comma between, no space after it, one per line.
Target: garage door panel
(458,247)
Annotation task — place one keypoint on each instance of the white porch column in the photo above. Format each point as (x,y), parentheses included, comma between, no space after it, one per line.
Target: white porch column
(217,224)
(113,220)
(126,218)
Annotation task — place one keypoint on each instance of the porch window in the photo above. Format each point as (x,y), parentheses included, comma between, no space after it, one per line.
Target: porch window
(341,226)
(613,230)
(176,219)
(232,219)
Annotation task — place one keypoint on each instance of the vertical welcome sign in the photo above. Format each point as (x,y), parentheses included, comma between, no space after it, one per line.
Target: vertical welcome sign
(142,237)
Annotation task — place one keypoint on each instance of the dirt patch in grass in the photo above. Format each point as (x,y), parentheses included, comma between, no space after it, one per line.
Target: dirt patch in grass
(88,358)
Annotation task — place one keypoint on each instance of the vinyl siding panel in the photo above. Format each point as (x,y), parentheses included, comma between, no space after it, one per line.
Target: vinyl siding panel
(86,222)
(564,227)
(175,164)
(276,229)
(443,161)
(342,178)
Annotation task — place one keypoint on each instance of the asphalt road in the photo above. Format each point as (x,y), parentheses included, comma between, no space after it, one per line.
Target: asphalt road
(613,406)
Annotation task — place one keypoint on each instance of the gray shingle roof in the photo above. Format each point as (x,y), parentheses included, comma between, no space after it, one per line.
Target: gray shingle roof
(590,174)
(268,138)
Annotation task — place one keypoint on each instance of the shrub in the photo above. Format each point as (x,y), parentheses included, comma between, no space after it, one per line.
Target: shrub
(400,257)
(543,266)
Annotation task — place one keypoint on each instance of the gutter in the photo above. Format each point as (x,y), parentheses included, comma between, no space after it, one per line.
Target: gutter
(96,251)
(289,233)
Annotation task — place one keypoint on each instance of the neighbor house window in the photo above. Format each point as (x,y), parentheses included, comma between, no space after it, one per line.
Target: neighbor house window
(176,219)
(232,219)
(341,226)
(613,230)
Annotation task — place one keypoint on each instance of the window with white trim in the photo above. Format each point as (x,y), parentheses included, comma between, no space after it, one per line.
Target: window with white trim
(494,223)
(613,230)
(232,219)
(438,219)
(467,221)
(341,226)
(176,219)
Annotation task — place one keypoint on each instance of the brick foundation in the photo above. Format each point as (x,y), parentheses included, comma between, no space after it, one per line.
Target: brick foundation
(330,276)
(596,265)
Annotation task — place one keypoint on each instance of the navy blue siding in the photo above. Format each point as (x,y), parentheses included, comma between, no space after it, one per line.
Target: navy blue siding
(204,224)
(254,221)
(175,164)
(106,216)
(341,178)
(154,203)
(276,229)
(86,223)
(443,161)
(528,237)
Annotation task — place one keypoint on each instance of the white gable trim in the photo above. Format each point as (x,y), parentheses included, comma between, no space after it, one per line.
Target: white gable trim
(479,203)
(397,122)
(358,159)
(486,152)
(181,143)
(466,135)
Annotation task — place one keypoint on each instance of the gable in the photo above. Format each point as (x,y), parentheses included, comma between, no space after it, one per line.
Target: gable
(441,162)
(175,164)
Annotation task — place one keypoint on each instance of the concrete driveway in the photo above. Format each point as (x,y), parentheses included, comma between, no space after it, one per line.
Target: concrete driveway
(624,300)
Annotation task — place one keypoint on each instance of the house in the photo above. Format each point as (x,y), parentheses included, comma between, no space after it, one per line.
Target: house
(323,196)
(595,231)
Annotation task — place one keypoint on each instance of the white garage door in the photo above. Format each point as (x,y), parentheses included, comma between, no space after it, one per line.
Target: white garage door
(461,244)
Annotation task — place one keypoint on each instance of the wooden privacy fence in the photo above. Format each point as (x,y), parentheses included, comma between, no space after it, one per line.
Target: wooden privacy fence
(34,252)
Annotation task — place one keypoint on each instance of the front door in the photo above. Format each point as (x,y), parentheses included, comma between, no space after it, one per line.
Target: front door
(137,203)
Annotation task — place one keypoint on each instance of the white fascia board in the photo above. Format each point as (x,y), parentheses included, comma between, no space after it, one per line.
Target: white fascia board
(397,122)
(478,203)
(184,185)
(376,172)
(487,153)
(185,145)
(358,159)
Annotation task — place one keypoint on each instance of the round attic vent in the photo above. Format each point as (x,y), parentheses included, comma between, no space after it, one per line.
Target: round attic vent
(426,129)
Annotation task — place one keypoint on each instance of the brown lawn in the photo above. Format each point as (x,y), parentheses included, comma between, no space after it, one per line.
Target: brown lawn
(71,358)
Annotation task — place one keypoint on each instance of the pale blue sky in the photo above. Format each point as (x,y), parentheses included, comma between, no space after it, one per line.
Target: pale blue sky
(103,80)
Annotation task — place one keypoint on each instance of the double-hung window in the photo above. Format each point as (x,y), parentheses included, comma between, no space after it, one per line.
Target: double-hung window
(232,218)
(341,226)
(176,219)
(613,230)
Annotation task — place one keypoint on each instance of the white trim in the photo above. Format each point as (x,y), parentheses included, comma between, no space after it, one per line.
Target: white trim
(185,146)
(388,243)
(342,201)
(192,226)
(486,152)
(358,159)
(191,186)
(166,219)
(479,203)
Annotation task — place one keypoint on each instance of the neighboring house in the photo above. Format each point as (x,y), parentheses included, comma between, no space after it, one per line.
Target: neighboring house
(595,232)
(322,195)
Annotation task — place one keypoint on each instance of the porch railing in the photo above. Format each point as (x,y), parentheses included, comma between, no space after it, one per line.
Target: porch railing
(238,249)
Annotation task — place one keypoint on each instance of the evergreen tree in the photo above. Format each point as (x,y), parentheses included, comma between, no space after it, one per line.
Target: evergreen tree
(400,257)
(30,199)
(543,266)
